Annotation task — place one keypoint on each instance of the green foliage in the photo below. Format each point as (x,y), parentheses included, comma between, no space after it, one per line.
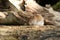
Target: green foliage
(56,6)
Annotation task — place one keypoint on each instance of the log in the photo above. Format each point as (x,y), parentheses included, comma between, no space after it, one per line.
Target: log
(48,32)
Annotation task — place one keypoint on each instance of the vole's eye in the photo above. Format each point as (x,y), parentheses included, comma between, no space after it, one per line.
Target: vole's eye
(25,3)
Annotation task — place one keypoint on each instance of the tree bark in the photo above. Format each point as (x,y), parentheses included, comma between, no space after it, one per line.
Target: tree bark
(25,33)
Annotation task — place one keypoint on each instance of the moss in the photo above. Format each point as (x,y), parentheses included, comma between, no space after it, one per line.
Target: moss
(10,38)
(56,6)
(7,38)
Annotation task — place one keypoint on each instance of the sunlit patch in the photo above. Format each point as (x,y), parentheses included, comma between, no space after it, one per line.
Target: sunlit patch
(37,20)
(16,3)
(2,15)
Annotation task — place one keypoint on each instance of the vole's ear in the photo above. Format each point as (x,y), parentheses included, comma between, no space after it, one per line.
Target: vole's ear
(47,5)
